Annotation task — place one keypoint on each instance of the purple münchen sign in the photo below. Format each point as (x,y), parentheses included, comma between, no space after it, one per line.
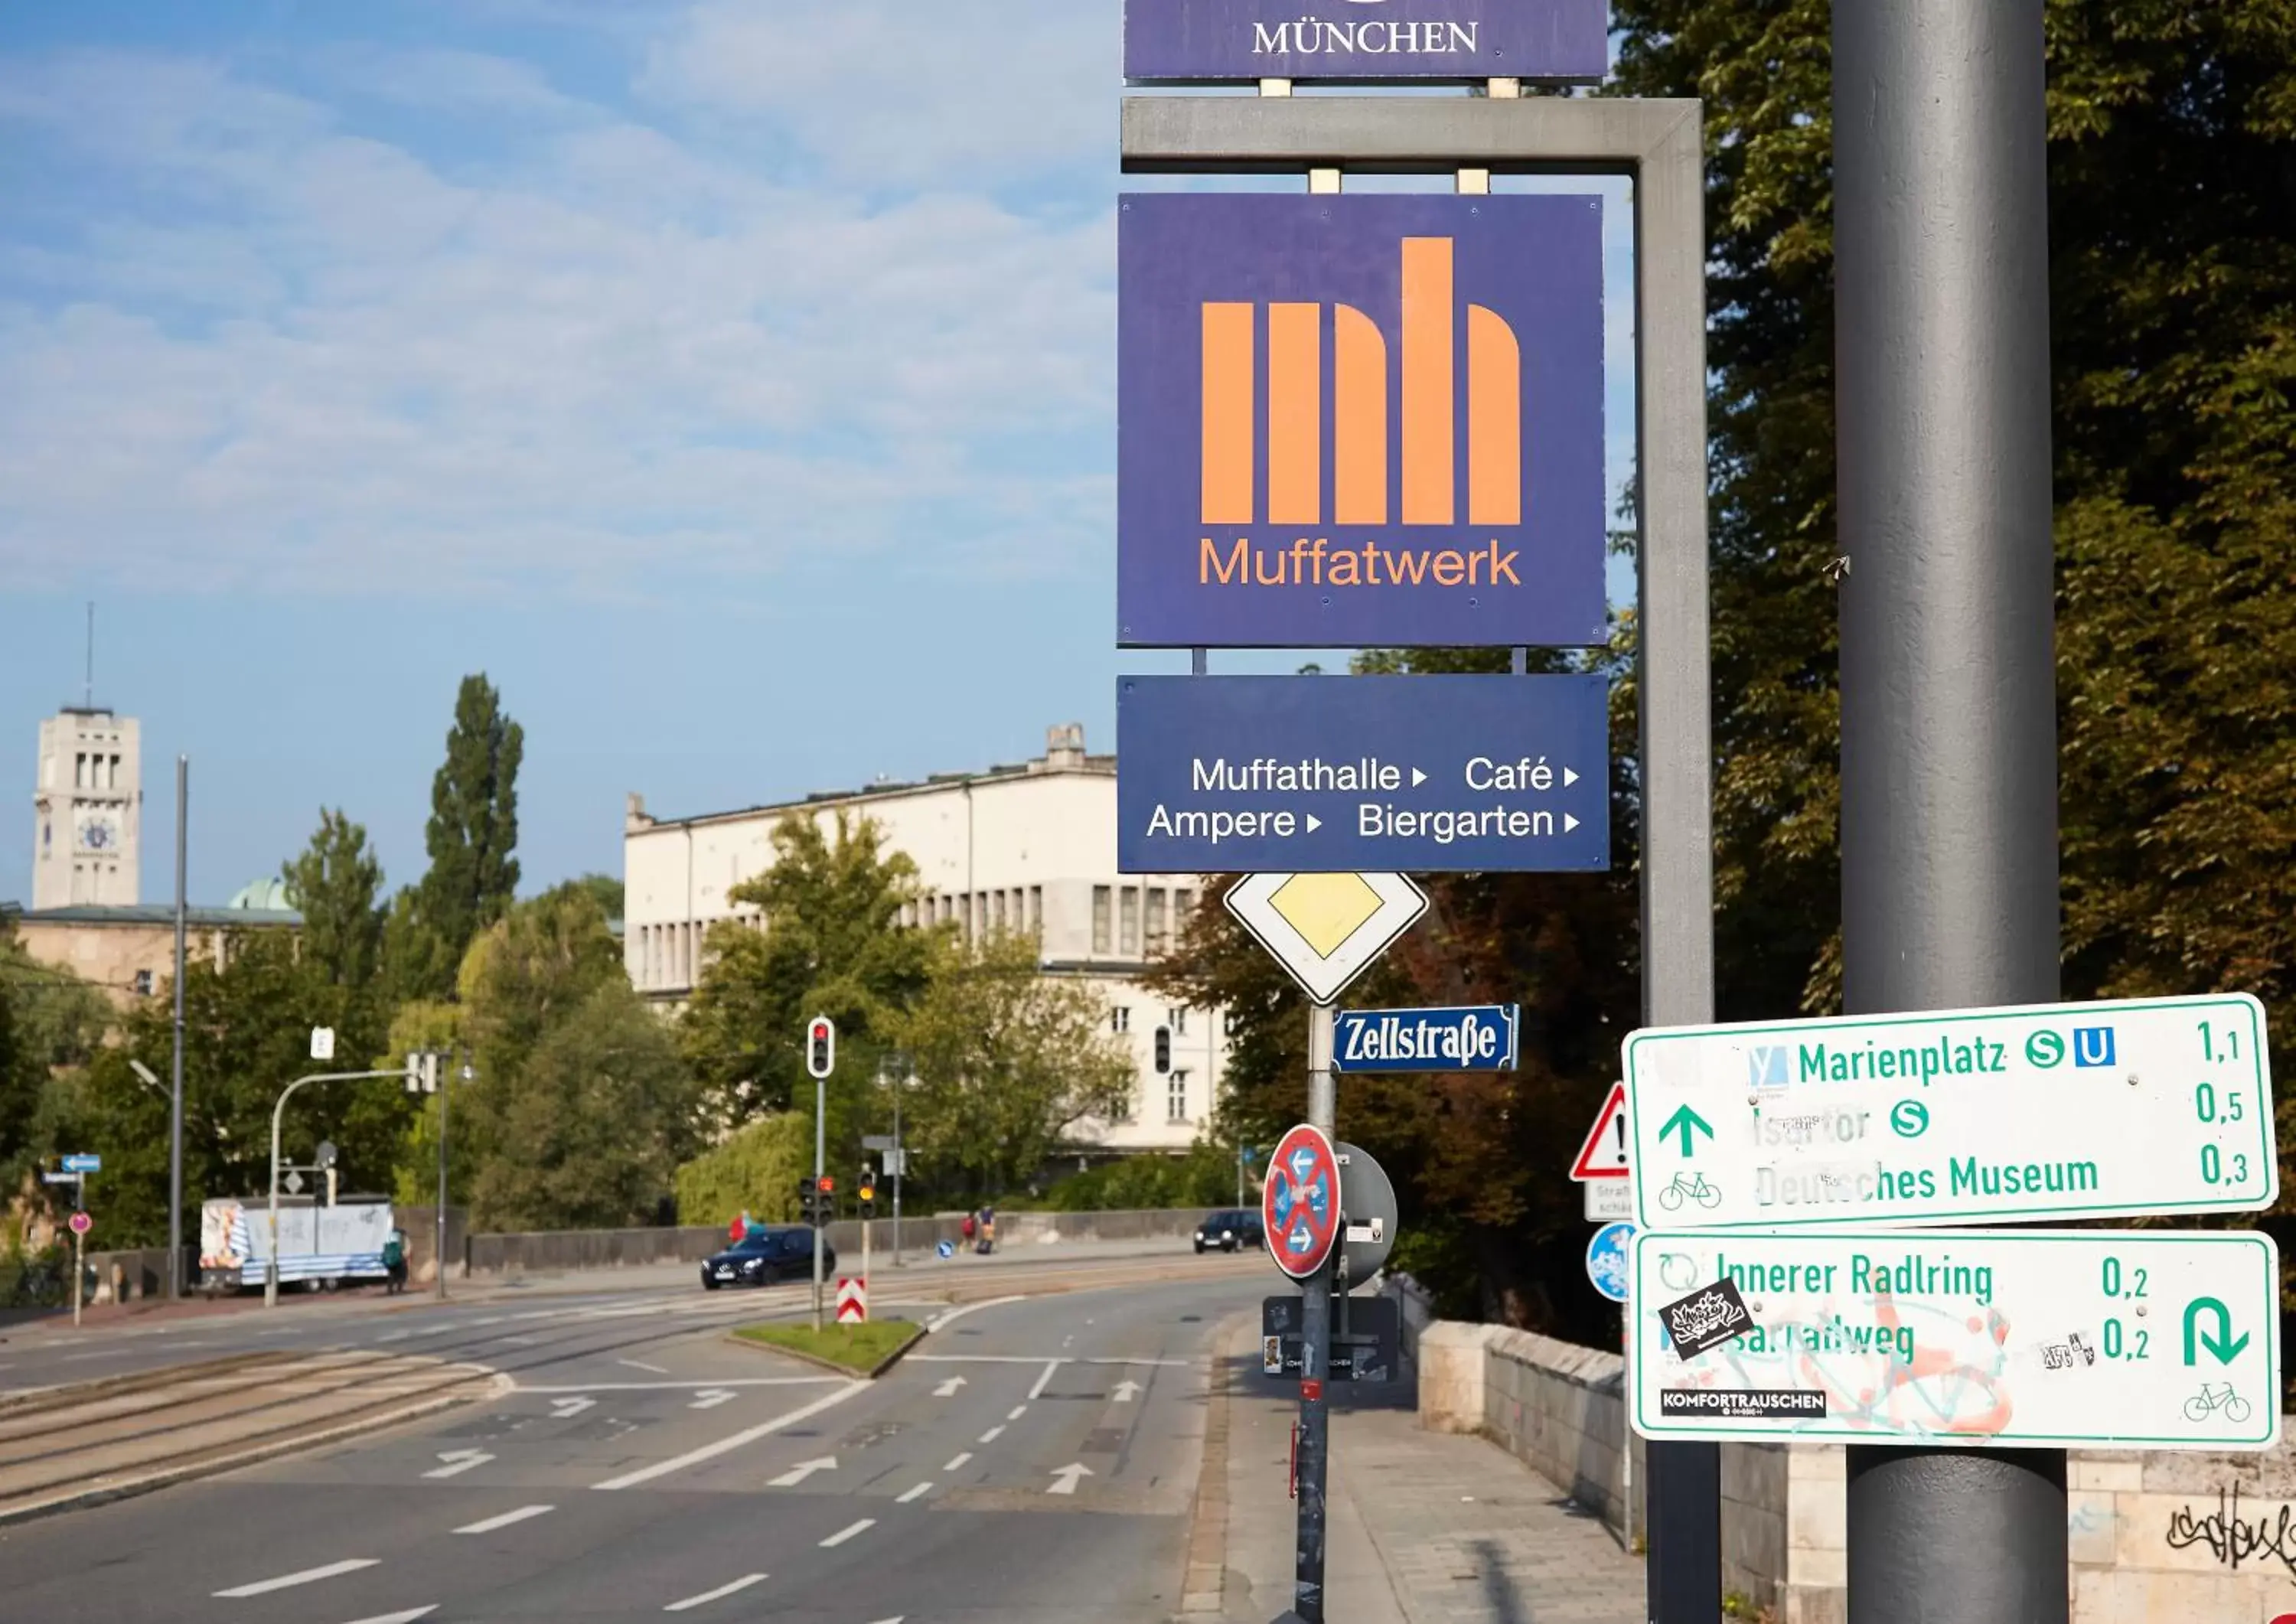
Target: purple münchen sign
(1365,39)
(1359,421)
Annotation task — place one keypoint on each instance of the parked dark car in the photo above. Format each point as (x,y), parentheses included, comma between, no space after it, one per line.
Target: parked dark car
(1230,1231)
(764,1255)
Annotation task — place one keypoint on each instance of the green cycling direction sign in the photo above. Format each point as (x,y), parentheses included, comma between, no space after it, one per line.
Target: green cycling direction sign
(2146,1339)
(2068,1111)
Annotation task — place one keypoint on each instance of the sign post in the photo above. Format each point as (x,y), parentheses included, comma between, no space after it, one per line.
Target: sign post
(80,1225)
(820,1060)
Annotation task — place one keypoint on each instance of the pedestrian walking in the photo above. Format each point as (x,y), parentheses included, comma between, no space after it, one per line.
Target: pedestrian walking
(394,1263)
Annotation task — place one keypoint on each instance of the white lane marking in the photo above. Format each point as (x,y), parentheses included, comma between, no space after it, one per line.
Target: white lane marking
(459,1461)
(1016,1412)
(896,1619)
(953,1315)
(491,1523)
(513,1342)
(394,1336)
(991,1436)
(947,1389)
(1126,1391)
(1065,1481)
(285,1582)
(956,1461)
(675,1387)
(1036,1358)
(800,1472)
(710,1398)
(408,1617)
(908,1495)
(566,1409)
(659,1370)
(718,1595)
(749,1435)
(491,1319)
(1045,1380)
(846,1532)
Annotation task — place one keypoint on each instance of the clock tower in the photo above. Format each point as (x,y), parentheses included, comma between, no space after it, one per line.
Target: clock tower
(87,810)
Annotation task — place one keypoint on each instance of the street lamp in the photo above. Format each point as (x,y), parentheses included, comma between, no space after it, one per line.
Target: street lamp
(896,1071)
(271,1268)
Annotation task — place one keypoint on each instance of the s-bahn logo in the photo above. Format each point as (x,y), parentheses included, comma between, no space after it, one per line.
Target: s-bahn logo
(1357,421)
(1294,339)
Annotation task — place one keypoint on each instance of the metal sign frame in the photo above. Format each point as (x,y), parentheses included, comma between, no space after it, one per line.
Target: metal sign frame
(1660,145)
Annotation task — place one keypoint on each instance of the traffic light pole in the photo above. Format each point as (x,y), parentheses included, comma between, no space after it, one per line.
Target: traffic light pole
(820,1168)
(1315,1355)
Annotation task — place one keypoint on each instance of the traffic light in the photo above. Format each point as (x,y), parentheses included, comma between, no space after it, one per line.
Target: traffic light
(809,1199)
(820,1045)
(1163,1050)
(867,1191)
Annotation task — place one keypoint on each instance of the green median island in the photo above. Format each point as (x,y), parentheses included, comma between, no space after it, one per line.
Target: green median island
(860,1348)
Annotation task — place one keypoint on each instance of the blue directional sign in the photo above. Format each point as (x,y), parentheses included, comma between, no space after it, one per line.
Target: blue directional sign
(1430,775)
(1606,1259)
(84,1164)
(1477,1037)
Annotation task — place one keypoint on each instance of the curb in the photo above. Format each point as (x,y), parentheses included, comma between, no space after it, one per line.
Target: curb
(916,1334)
(497,1386)
(1205,1583)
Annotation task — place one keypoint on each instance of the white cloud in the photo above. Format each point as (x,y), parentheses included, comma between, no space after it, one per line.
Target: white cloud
(259,342)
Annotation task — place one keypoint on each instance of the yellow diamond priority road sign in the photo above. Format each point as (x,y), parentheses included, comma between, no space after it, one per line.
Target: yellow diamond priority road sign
(1325,929)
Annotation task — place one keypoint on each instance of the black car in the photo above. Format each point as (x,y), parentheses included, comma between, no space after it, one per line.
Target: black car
(764,1255)
(1230,1231)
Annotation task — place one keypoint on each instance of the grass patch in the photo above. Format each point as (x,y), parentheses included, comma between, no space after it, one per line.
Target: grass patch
(857,1348)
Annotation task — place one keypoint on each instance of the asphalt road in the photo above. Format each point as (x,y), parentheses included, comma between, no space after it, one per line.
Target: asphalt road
(1034,1459)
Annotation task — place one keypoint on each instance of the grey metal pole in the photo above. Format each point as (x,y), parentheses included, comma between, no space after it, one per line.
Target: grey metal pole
(1315,1355)
(900,1165)
(176,1070)
(1949,717)
(820,1166)
(438,1217)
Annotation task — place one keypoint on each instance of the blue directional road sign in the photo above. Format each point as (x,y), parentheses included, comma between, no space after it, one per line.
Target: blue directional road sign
(84,1164)
(1606,1259)
(1300,1204)
(1477,1037)
(1429,775)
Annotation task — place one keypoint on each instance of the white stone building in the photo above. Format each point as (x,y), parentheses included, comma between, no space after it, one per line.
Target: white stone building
(1032,845)
(87,810)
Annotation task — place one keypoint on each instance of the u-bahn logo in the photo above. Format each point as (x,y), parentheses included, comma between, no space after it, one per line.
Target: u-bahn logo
(1425,490)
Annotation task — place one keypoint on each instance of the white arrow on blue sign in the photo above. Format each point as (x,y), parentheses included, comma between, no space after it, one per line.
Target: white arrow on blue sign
(84,1163)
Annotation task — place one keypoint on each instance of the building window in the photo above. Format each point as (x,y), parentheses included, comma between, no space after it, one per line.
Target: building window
(80,771)
(1157,897)
(1100,938)
(144,983)
(1177,1020)
(1175,1098)
(1183,904)
(997,904)
(1128,919)
(1036,907)
(1120,1018)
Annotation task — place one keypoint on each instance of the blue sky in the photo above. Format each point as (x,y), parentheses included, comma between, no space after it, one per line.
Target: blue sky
(732,382)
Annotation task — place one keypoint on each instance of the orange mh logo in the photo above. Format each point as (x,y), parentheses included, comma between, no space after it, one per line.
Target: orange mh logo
(1359,401)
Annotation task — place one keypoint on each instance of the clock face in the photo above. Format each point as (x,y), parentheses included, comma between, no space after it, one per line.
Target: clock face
(98,833)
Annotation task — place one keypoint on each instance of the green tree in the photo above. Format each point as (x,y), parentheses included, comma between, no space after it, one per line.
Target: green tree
(755,1169)
(827,940)
(333,883)
(589,1132)
(1008,1062)
(608,891)
(471,838)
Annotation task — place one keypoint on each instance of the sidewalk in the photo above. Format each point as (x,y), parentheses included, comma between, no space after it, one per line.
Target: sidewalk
(1425,1528)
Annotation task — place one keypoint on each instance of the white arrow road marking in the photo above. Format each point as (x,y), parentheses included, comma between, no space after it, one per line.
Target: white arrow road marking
(459,1461)
(1569,822)
(1125,1391)
(1417,778)
(803,1470)
(408,1617)
(1313,823)
(1065,1481)
(957,1461)
(710,1398)
(285,1582)
(566,1409)
(489,1525)
(1044,1380)
(1569,777)
(718,1595)
(846,1533)
(991,1436)
(908,1495)
(748,1435)
(947,1389)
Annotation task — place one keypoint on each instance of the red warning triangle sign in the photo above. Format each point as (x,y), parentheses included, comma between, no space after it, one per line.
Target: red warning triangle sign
(1604,1153)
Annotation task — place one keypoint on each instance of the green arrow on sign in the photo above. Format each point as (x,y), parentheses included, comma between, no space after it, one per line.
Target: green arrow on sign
(2222,1344)
(1686,1121)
